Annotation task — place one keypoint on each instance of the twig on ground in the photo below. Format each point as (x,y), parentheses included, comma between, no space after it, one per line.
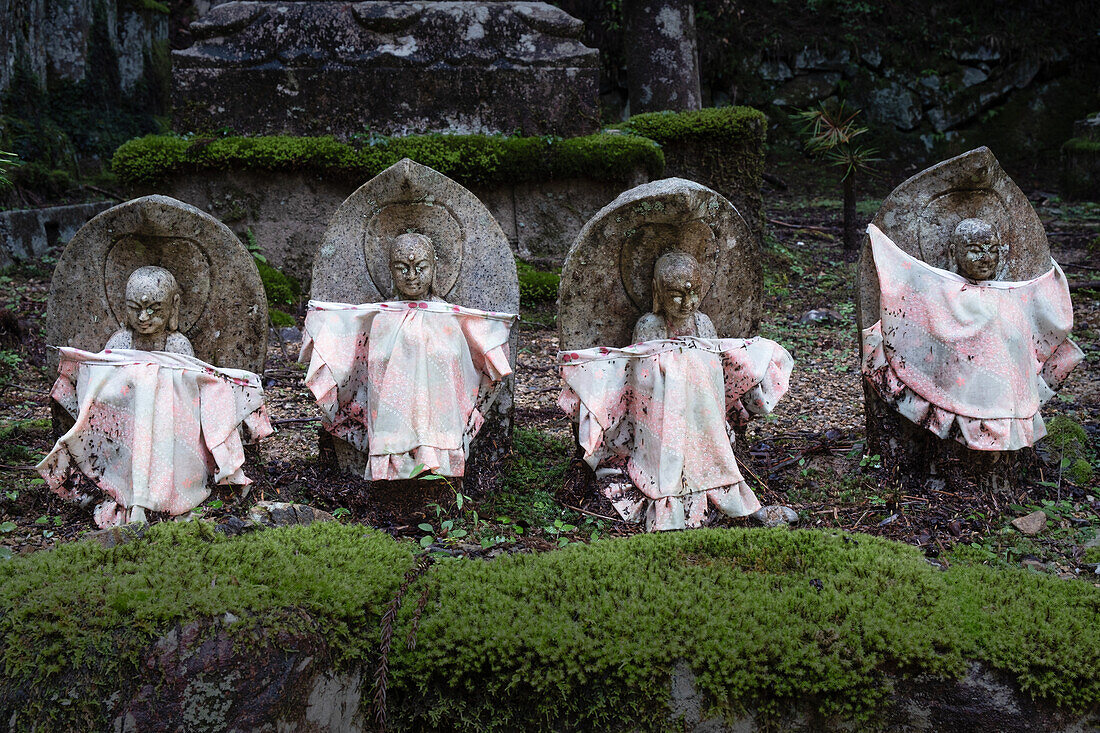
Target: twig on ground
(591,514)
(21,388)
(758,479)
(105,192)
(811,227)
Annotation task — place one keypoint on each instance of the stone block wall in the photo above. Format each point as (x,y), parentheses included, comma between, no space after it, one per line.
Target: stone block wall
(288,212)
(30,234)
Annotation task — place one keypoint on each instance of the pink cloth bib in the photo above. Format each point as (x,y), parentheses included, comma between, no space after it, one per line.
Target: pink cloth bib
(664,406)
(404,380)
(981,356)
(152,427)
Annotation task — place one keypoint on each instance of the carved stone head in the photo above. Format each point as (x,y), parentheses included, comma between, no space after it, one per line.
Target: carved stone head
(975,248)
(152,302)
(412,266)
(676,281)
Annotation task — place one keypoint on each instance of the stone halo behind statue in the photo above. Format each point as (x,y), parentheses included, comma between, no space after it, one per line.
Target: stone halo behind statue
(222,308)
(607,279)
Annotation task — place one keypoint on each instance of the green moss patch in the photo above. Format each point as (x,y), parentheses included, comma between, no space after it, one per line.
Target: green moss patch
(469,159)
(82,608)
(584,638)
(720,147)
(536,286)
(1082,146)
(715,124)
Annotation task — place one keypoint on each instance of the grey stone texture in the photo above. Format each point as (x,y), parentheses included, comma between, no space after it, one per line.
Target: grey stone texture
(29,234)
(920,216)
(288,212)
(223,312)
(340,68)
(606,282)
(662,55)
(52,36)
(474,267)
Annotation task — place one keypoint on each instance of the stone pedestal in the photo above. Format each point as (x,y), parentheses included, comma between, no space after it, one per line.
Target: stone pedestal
(344,69)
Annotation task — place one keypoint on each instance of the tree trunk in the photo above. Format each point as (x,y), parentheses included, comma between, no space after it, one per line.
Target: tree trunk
(661,55)
(851,227)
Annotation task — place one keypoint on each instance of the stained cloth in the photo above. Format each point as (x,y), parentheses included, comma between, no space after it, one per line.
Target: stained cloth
(152,427)
(405,381)
(972,360)
(665,406)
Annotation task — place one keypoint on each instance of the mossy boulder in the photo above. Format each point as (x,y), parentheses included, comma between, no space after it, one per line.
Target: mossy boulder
(721,147)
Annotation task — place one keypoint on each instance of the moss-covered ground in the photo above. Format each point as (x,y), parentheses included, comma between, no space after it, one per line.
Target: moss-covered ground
(535,641)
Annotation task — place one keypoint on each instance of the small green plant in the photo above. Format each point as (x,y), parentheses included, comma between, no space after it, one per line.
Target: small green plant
(869,461)
(447,533)
(8,527)
(558,529)
(7,162)
(340,512)
(829,130)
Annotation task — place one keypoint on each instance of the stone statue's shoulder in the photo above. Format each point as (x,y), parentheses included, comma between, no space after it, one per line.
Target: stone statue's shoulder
(123,338)
(704,328)
(177,343)
(650,327)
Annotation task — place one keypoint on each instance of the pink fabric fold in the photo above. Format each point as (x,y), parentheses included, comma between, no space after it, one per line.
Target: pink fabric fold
(666,406)
(971,361)
(405,381)
(152,427)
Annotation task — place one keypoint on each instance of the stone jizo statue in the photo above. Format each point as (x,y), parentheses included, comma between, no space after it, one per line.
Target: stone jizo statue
(408,340)
(654,418)
(152,314)
(676,297)
(965,321)
(975,248)
(406,381)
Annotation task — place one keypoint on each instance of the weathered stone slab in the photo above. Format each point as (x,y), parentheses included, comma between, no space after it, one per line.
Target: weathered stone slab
(288,212)
(920,216)
(474,268)
(28,234)
(321,68)
(606,282)
(223,309)
(548,215)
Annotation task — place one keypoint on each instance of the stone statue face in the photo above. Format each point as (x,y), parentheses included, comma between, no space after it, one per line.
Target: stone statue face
(412,266)
(676,281)
(152,301)
(976,248)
